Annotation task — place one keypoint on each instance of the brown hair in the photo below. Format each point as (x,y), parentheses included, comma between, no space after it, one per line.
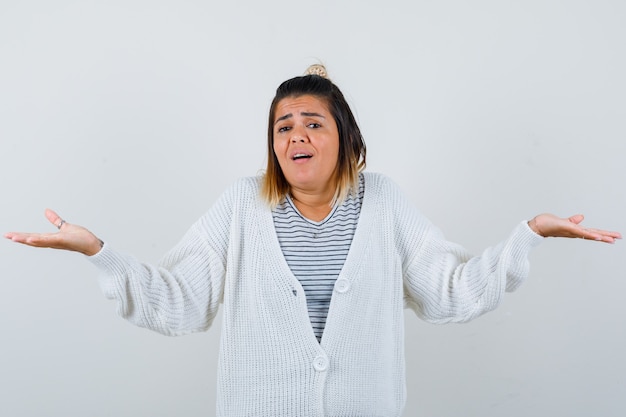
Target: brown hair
(351,159)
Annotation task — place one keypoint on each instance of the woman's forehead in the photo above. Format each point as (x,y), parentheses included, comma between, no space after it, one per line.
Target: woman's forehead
(298,104)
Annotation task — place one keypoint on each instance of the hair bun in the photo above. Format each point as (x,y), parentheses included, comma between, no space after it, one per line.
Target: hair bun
(317,69)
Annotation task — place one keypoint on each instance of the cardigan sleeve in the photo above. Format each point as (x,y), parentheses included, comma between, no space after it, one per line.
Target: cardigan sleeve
(443,282)
(182,293)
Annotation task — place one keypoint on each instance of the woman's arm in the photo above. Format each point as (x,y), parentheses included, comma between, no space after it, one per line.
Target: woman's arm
(444,283)
(179,295)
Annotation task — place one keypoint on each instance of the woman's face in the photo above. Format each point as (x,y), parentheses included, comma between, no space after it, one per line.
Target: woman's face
(306,143)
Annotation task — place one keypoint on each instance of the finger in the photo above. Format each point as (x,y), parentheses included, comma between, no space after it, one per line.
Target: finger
(16,236)
(599,236)
(32,239)
(576,218)
(615,235)
(54,218)
(606,238)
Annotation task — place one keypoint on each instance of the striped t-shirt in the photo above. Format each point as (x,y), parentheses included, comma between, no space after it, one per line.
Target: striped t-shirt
(316,251)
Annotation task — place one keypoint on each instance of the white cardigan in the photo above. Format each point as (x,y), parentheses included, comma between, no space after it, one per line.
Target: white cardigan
(270,362)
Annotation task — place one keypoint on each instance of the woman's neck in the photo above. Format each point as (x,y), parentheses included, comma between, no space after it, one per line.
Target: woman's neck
(313,206)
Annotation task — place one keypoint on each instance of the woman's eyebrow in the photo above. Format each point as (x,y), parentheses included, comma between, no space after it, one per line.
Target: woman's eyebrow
(281,118)
(304,113)
(308,114)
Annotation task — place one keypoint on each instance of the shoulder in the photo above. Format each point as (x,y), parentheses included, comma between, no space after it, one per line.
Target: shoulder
(381,185)
(248,183)
(390,198)
(242,193)
(238,200)
(244,188)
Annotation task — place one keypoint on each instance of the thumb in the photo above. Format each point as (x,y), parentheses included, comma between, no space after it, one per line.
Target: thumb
(54,218)
(576,218)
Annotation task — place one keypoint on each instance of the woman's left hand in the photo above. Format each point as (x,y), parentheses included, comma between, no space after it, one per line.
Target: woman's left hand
(549,225)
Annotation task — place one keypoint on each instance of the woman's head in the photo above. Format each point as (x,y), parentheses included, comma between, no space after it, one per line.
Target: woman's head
(315,91)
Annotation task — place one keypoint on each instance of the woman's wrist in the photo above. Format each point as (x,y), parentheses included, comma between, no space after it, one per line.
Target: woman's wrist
(535,227)
(94,247)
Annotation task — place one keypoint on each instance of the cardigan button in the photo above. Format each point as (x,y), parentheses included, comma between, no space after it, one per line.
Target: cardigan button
(320,363)
(342,285)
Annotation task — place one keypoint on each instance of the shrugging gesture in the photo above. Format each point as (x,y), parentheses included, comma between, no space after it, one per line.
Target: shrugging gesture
(69,237)
(261,272)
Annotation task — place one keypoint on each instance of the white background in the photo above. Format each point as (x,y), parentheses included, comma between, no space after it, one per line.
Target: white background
(131,117)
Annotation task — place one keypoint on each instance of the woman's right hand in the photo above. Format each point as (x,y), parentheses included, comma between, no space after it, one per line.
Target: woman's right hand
(69,237)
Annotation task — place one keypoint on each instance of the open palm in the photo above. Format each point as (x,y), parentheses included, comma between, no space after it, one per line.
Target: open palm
(69,237)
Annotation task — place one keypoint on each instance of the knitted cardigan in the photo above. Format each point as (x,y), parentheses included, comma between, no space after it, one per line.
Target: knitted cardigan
(270,362)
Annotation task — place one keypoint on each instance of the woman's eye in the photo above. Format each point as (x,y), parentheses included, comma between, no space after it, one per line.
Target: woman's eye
(314,125)
(283,129)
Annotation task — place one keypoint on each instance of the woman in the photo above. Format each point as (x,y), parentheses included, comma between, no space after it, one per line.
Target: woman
(314,263)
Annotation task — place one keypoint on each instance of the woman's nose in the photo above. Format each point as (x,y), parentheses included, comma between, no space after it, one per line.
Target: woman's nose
(299,137)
